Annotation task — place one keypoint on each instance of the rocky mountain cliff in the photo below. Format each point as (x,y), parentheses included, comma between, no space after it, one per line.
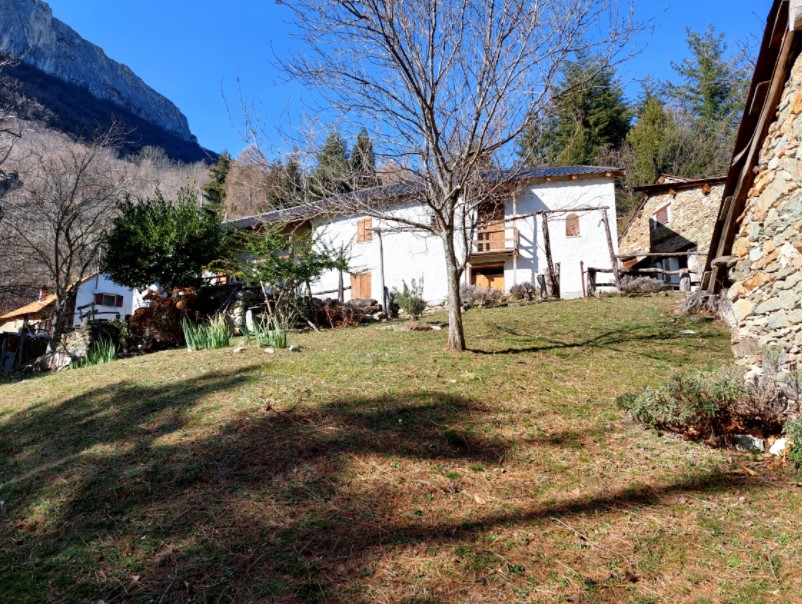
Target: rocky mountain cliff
(51,56)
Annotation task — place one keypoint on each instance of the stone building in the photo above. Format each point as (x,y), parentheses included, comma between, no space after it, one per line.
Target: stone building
(756,252)
(675,216)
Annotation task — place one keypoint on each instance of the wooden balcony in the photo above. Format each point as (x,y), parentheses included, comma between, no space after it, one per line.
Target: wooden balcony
(495,241)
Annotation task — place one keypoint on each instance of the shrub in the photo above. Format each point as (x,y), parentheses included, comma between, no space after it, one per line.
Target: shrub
(524,291)
(708,406)
(473,295)
(793,429)
(214,333)
(410,298)
(640,285)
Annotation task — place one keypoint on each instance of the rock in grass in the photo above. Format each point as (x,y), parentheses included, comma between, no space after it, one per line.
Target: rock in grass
(239,349)
(779,446)
(748,443)
(294,348)
(270,350)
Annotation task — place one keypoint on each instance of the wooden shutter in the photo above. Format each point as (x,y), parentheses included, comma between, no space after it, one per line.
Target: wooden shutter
(572,225)
(360,286)
(119,301)
(364,232)
(99,299)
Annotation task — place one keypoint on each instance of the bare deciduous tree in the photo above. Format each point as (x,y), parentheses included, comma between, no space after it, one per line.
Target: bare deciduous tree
(55,219)
(445,87)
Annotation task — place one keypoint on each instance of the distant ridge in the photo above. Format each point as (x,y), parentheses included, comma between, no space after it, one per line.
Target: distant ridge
(69,84)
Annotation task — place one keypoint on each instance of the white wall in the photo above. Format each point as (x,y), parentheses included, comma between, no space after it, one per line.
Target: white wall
(101,284)
(409,255)
(589,247)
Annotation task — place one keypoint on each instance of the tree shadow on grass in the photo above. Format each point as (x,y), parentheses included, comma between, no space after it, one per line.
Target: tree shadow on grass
(609,340)
(124,495)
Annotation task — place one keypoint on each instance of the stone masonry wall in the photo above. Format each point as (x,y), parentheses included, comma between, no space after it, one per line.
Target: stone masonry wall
(693,216)
(767,289)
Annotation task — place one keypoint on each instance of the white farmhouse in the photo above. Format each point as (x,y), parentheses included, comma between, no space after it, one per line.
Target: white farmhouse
(509,246)
(96,298)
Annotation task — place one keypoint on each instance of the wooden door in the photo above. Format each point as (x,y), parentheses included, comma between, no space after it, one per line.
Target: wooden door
(492,277)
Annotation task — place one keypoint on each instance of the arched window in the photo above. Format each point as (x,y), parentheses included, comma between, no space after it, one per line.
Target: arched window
(572,225)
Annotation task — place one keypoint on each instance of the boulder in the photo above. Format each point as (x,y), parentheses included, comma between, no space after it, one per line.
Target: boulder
(748,443)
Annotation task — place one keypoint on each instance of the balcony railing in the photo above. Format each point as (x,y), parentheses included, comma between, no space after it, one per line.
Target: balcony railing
(496,240)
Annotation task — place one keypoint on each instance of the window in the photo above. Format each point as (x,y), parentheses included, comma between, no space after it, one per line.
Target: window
(109,300)
(661,216)
(364,230)
(572,225)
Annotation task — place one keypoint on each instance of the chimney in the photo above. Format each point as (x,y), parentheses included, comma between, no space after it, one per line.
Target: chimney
(43,293)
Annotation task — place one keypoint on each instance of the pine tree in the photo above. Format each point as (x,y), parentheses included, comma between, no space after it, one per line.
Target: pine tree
(648,139)
(363,162)
(713,86)
(331,175)
(588,115)
(214,191)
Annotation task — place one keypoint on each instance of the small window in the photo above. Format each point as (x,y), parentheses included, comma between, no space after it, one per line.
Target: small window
(364,230)
(661,216)
(572,225)
(112,300)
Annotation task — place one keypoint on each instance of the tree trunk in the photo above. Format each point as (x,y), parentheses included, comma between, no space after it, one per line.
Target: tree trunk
(456,333)
(57,329)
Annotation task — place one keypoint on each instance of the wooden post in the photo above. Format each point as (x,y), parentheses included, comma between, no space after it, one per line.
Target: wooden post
(340,289)
(610,247)
(582,275)
(552,286)
(385,306)
(591,281)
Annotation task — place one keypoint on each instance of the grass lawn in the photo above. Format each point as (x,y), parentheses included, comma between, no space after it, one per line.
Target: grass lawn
(374,467)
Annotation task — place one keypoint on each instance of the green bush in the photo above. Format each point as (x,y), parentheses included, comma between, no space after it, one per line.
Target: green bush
(793,430)
(700,405)
(214,333)
(410,298)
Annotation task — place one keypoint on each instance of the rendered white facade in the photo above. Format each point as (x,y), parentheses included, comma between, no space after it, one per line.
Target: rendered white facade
(89,293)
(417,255)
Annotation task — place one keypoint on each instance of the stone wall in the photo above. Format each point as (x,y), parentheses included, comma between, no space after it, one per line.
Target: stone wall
(767,289)
(693,216)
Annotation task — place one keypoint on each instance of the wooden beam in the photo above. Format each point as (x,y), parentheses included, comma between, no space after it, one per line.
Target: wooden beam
(747,176)
(611,249)
(552,285)
(659,254)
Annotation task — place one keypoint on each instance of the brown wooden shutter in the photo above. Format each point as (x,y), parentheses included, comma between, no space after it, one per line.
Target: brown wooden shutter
(99,299)
(119,301)
(572,225)
(364,231)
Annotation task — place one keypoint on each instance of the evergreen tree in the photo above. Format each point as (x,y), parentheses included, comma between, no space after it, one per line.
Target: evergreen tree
(363,162)
(157,241)
(648,139)
(331,175)
(588,115)
(713,87)
(214,191)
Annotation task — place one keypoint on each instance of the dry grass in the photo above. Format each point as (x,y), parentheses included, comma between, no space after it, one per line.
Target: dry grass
(373,467)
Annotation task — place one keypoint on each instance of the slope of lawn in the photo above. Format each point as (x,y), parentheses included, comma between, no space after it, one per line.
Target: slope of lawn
(372,466)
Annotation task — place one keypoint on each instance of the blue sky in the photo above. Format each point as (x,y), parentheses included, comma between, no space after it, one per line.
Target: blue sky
(196,51)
